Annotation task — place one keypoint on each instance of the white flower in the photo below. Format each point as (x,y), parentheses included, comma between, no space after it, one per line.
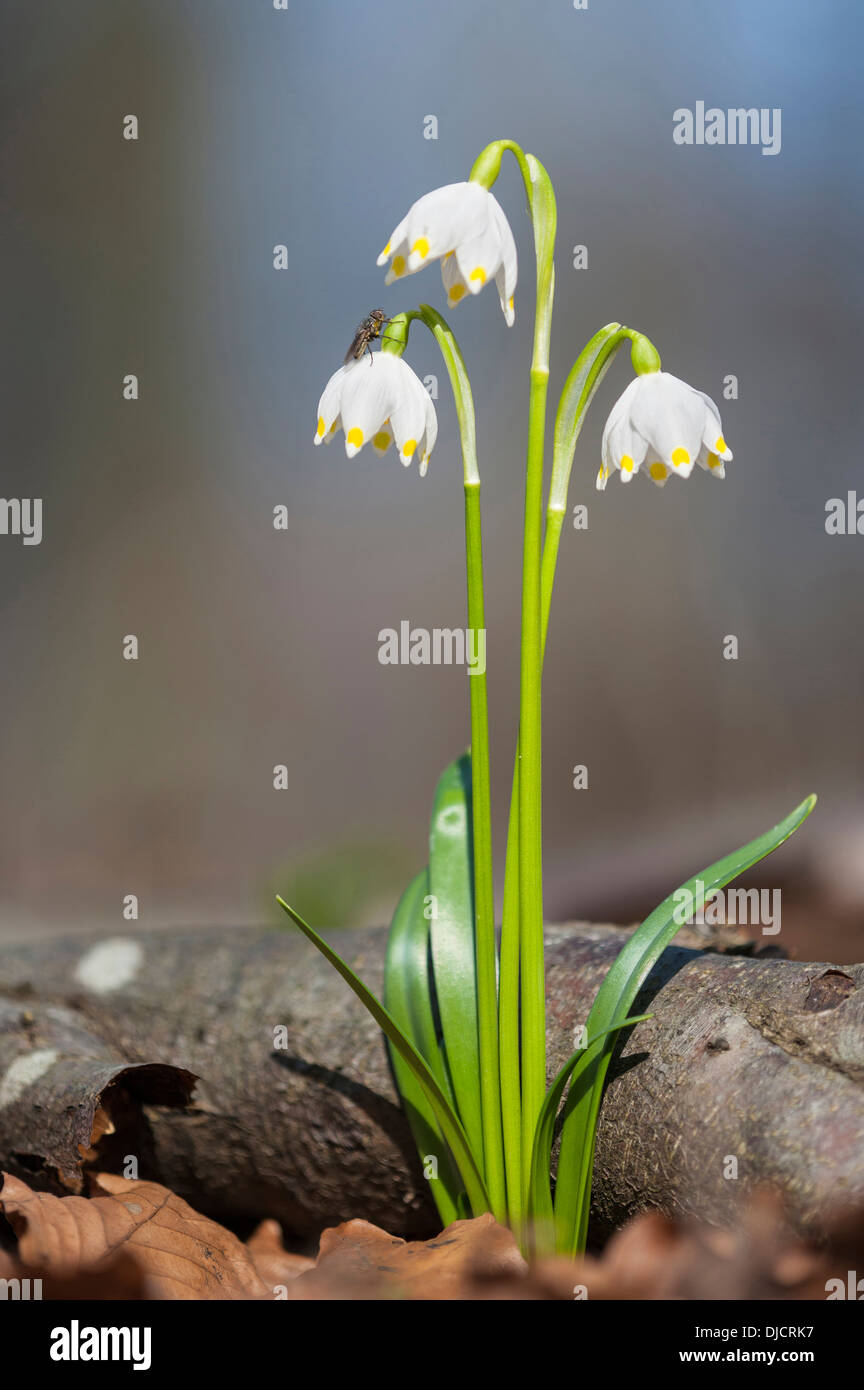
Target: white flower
(378,397)
(661,422)
(463,226)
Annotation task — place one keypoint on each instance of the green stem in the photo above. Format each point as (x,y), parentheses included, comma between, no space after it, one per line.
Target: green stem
(579,389)
(484,894)
(508,1016)
(522,994)
(525,1028)
(484,891)
(531,967)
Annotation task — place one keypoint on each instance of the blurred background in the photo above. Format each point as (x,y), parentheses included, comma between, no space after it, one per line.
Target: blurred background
(258,647)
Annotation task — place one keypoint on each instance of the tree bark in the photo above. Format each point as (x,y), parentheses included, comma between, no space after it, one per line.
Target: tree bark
(751,1071)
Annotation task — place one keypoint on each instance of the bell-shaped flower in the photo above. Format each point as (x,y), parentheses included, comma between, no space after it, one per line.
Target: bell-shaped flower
(378,398)
(661,425)
(464,227)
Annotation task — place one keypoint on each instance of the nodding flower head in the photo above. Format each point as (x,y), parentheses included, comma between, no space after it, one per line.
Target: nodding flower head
(661,425)
(378,398)
(464,227)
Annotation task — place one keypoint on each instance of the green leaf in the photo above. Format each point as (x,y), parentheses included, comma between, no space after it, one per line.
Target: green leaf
(540,1208)
(451,883)
(612,1004)
(408,1000)
(448,1121)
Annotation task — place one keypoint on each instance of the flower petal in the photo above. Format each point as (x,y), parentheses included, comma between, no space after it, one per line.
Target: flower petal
(382,439)
(329,407)
(507,273)
(662,427)
(623,448)
(460,219)
(670,415)
(658,472)
(710,461)
(712,429)
(479,259)
(409,420)
(430,435)
(368,396)
(453,281)
(508,303)
(379,400)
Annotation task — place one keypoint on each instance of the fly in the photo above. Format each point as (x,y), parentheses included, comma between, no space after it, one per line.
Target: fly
(367,332)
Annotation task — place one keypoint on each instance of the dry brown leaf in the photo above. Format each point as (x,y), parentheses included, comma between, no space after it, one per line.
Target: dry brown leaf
(654,1257)
(121,1279)
(137,1240)
(183,1255)
(276,1266)
(358,1260)
(641,1260)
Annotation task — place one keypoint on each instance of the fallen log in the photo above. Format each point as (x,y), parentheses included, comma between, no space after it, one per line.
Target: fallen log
(751,1071)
